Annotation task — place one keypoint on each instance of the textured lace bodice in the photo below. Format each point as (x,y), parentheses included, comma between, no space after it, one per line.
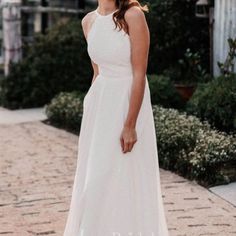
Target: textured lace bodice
(108,47)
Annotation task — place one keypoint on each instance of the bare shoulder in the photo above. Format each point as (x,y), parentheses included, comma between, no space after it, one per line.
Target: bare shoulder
(134,14)
(87,19)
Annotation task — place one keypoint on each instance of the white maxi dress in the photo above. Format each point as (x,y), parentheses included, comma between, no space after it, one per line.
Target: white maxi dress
(114,193)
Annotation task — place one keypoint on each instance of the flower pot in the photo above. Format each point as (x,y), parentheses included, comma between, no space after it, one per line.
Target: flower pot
(185,91)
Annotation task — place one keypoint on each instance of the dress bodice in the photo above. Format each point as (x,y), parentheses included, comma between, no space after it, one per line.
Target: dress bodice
(108,47)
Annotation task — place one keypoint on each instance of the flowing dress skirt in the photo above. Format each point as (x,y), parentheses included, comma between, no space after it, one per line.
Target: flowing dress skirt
(115,193)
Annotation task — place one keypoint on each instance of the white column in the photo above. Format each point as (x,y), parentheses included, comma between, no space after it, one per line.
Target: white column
(11,32)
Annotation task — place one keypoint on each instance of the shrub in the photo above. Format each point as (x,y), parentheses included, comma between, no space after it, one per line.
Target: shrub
(216,103)
(65,110)
(213,152)
(192,149)
(185,144)
(190,70)
(56,62)
(174,28)
(227,68)
(163,92)
(175,132)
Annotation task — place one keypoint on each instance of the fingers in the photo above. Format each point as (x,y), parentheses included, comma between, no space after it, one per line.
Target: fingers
(122,143)
(128,138)
(128,145)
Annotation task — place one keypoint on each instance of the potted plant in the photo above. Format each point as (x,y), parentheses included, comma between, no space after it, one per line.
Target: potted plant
(189,74)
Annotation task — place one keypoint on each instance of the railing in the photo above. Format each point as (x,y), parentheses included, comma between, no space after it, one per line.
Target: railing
(40,9)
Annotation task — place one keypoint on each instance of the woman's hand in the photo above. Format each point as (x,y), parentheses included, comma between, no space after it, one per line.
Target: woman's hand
(128,138)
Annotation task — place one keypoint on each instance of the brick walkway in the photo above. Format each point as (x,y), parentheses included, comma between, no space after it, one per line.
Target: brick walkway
(37,166)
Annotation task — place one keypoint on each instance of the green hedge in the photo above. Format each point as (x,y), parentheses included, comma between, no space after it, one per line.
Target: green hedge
(163,92)
(174,28)
(175,132)
(59,62)
(216,103)
(194,150)
(65,111)
(56,62)
(185,144)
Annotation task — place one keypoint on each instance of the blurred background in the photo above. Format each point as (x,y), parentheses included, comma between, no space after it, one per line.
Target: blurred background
(45,72)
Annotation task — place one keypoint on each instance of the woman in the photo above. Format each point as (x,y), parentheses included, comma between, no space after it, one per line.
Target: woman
(116,188)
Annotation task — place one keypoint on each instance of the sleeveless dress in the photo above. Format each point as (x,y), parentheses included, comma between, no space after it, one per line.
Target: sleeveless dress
(114,193)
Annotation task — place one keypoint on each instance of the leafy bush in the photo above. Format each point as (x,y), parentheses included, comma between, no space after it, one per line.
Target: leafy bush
(193,149)
(56,62)
(190,70)
(216,103)
(185,144)
(174,28)
(228,67)
(175,132)
(65,110)
(214,151)
(163,92)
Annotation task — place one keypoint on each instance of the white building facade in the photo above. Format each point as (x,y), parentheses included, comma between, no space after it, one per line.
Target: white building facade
(224,28)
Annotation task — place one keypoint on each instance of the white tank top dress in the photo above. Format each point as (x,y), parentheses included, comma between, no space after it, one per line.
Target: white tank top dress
(114,193)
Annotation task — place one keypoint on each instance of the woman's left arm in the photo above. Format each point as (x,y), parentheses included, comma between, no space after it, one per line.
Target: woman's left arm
(140,40)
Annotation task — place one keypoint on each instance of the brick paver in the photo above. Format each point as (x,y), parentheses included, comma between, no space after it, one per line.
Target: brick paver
(37,166)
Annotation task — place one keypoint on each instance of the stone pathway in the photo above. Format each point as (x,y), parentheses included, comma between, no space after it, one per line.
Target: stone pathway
(227,192)
(37,166)
(22,115)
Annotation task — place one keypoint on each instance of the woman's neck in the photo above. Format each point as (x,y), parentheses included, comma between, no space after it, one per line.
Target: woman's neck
(106,6)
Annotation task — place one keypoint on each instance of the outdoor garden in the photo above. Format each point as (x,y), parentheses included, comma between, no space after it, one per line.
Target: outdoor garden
(194,112)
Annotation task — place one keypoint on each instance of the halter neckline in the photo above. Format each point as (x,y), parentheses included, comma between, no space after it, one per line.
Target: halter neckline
(105,15)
